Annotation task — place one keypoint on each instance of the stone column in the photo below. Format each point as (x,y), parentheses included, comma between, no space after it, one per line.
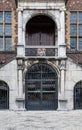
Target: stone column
(20,83)
(62,21)
(20,45)
(62,104)
(20,99)
(61,35)
(62,69)
(19,26)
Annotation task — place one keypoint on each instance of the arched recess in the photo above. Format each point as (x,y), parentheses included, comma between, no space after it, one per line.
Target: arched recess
(41,30)
(41,87)
(78,95)
(4,95)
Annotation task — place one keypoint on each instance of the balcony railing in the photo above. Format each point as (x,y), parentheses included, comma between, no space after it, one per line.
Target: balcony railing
(41,51)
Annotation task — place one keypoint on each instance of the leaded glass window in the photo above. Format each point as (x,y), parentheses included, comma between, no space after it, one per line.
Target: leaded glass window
(1,17)
(5,31)
(1,44)
(8,30)
(8,17)
(73,44)
(8,44)
(76,31)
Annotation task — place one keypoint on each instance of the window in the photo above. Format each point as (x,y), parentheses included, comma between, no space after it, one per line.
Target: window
(5,31)
(76,31)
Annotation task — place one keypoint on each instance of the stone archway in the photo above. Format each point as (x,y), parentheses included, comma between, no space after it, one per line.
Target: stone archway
(41,88)
(41,30)
(4,95)
(78,95)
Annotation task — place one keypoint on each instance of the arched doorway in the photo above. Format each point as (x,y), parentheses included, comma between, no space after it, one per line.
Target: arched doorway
(78,95)
(41,88)
(41,30)
(4,95)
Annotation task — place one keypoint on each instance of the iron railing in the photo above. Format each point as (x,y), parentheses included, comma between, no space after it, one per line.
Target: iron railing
(41,51)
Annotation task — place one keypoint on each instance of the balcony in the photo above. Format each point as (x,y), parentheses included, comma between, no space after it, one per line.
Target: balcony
(42,40)
(41,51)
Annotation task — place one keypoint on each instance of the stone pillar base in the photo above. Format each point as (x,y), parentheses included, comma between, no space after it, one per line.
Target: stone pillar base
(20,104)
(62,104)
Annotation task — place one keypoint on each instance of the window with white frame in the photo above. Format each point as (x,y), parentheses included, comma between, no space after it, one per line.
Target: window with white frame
(5,31)
(76,31)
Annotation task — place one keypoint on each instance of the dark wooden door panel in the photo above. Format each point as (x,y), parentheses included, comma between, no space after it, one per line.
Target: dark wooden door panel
(40,31)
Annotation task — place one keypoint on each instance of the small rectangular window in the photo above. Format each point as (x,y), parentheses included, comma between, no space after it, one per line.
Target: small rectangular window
(8,44)
(73,44)
(7,17)
(1,17)
(8,30)
(73,17)
(1,30)
(80,44)
(1,44)
(73,30)
(80,30)
(80,17)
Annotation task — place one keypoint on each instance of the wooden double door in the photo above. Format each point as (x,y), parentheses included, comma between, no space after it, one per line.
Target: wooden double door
(40,30)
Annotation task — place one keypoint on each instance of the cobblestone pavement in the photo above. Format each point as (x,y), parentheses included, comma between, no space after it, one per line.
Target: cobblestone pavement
(41,120)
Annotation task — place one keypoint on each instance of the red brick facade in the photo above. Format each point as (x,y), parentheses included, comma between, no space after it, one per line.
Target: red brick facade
(7,5)
(74,5)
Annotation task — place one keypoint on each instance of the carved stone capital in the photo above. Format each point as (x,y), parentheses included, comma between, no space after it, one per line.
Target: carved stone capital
(63,9)
(20,64)
(19,9)
(63,65)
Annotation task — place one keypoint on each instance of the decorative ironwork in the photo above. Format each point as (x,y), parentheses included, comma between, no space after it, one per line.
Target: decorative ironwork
(31,51)
(41,88)
(78,96)
(4,95)
(41,51)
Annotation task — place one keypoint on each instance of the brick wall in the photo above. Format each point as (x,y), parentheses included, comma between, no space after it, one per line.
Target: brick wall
(5,5)
(74,5)
(8,5)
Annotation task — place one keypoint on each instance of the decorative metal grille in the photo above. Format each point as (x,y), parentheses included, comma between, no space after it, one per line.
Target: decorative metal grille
(34,52)
(4,95)
(78,96)
(41,88)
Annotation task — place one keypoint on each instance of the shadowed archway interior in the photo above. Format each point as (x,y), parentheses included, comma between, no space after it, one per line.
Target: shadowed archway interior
(41,30)
(78,95)
(4,95)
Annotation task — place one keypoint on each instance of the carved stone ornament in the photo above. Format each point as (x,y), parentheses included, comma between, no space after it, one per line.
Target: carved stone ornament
(63,65)
(41,52)
(20,64)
